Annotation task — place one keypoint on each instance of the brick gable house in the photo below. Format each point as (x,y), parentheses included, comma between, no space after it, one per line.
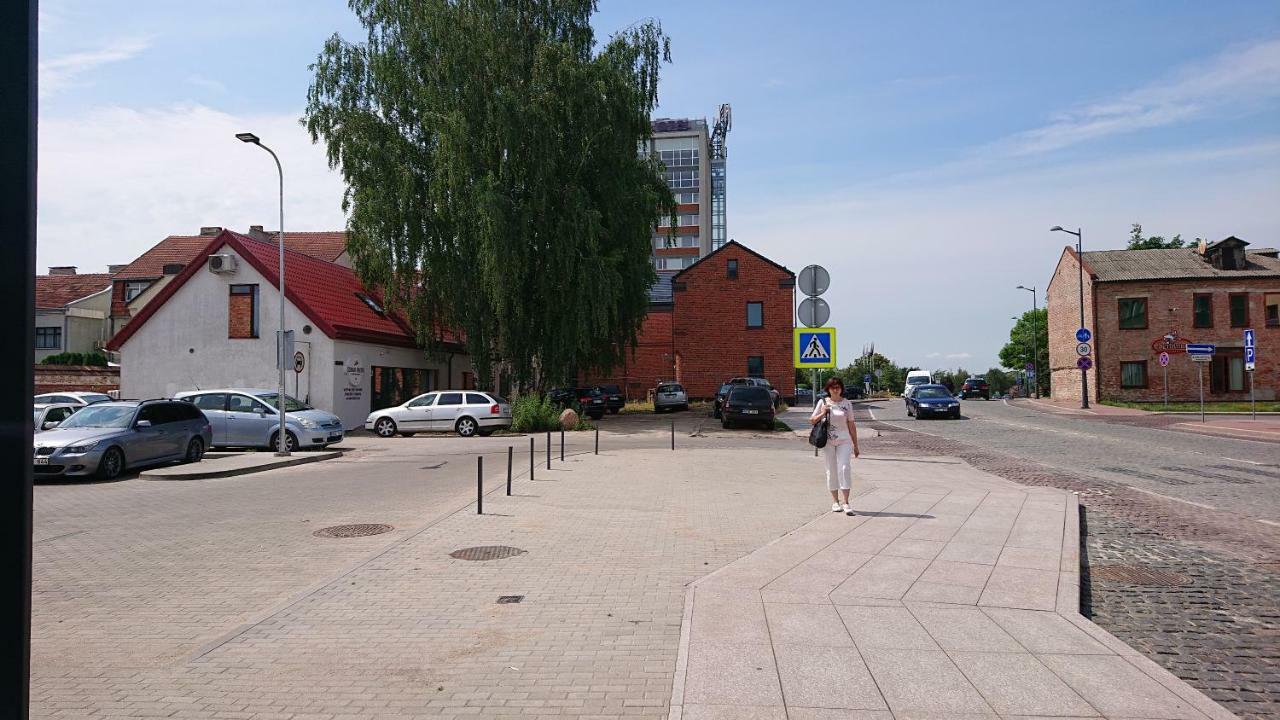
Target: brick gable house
(728,315)
(1141,302)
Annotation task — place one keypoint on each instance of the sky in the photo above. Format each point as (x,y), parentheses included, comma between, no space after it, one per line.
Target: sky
(919,151)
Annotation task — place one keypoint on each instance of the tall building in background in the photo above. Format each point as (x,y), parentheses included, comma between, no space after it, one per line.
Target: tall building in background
(694,158)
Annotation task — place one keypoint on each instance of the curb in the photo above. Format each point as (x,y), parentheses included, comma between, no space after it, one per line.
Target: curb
(299,459)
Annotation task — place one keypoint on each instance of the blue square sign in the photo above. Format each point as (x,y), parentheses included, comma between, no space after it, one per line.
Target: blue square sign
(815,347)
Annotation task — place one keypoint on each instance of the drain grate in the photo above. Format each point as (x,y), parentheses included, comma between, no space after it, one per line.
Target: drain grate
(1133,575)
(350,531)
(486,552)
(509,599)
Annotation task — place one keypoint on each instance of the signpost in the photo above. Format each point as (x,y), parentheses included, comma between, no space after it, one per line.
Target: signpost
(1250,362)
(1201,353)
(1164,365)
(1084,363)
(1083,335)
(815,348)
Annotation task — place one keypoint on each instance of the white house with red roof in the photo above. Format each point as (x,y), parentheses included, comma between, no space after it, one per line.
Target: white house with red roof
(214,325)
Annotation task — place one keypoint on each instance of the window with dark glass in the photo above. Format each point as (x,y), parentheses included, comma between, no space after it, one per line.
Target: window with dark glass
(755,366)
(1226,372)
(731,269)
(1203,313)
(48,338)
(755,314)
(1272,304)
(1239,304)
(1133,313)
(1133,374)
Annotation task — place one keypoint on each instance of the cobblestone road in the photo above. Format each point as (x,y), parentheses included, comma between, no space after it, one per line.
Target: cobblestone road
(1188,507)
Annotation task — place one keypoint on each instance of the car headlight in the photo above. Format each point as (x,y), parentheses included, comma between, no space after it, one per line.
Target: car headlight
(308,423)
(80,449)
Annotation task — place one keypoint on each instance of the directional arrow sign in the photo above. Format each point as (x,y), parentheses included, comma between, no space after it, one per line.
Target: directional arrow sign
(1248,338)
(1200,349)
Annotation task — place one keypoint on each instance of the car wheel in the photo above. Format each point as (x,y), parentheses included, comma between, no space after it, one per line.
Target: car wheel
(406,434)
(467,427)
(955,415)
(195,451)
(290,441)
(385,427)
(685,407)
(111,464)
(614,411)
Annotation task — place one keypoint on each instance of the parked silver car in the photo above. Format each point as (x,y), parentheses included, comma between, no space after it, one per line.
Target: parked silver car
(247,417)
(466,412)
(104,439)
(670,396)
(48,415)
(73,398)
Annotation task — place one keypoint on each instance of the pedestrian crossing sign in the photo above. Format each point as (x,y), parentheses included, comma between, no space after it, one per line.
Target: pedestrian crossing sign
(815,347)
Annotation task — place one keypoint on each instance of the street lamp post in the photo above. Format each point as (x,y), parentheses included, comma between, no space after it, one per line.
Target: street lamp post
(282,445)
(1084,374)
(1035,342)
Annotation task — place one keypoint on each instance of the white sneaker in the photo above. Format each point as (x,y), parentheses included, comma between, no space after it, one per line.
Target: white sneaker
(847,509)
(835,507)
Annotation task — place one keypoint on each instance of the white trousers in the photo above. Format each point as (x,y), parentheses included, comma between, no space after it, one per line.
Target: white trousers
(837,456)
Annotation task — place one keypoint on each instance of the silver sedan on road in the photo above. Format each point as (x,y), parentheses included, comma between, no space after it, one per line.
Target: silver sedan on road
(466,412)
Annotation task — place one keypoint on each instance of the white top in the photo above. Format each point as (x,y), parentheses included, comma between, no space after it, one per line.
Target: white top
(837,420)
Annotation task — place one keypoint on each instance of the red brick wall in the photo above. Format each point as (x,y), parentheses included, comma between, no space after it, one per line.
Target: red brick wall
(710,329)
(1118,345)
(1063,302)
(240,316)
(70,378)
(649,363)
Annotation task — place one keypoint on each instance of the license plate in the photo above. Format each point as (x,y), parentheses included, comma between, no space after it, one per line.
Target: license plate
(42,461)
(750,412)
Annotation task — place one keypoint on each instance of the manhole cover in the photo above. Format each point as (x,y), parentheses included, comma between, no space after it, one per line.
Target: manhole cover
(350,531)
(486,552)
(509,599)
(1132,575)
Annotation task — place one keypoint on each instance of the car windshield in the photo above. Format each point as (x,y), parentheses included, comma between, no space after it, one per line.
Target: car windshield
(290,404)
(100,416)
(670,388)
(918,380)
(91,398)
(725,388)
(612,389)
(933,393)
(38,414)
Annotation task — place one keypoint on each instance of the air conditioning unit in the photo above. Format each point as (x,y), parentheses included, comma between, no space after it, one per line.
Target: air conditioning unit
(222,263)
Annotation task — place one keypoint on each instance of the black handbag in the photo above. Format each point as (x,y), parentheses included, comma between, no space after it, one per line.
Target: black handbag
(818,434)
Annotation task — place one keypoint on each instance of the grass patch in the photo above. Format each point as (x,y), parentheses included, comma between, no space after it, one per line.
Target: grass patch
(1232,406)
(779,426)
(637,406)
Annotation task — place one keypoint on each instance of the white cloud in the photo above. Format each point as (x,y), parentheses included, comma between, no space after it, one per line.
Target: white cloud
(115,181)
(206,83)
(1237,77)
(958,356)
(63,71)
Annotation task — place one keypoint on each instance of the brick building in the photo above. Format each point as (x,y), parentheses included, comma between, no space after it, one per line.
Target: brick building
(1141,302)
(730,314)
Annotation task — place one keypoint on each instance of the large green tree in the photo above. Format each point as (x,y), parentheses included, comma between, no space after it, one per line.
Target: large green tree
(494,187)
(1018,351)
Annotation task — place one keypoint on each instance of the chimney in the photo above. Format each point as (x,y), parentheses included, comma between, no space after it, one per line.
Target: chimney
(113,269)
(257,233)
(62,270)
(210,230)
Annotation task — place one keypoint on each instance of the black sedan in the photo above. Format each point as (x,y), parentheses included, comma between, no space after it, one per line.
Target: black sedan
(748,404)
(613,399)
(931,400)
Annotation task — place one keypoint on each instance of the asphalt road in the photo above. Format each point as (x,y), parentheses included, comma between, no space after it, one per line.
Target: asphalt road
(1235,476)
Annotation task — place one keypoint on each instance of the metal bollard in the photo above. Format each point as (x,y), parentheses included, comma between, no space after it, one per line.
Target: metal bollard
(548,449)
(597,439)
(511,452)
(673,434)
(480,485)
(561,444)
(531,463)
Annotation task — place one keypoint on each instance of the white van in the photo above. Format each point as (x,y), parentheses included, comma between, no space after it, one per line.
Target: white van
(917,377)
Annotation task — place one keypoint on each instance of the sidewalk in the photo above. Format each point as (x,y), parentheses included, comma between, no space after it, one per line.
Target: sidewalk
(952,594)
(1237,425)
(221,465)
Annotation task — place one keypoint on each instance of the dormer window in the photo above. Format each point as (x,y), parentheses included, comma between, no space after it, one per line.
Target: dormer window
(1227,254)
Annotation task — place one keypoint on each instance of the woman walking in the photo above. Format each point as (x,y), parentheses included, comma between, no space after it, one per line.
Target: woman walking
(842,440)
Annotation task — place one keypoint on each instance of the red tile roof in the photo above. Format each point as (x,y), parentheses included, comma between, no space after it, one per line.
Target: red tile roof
(328,294)
(55,291)
(181,249)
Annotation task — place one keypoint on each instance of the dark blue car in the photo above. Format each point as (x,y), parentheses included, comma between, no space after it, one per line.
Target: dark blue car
(932,400)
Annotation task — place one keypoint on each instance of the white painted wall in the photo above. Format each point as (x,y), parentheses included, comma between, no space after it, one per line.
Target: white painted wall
(351,383)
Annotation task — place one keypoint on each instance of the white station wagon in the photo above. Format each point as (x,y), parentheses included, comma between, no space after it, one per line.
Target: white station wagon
(466,412)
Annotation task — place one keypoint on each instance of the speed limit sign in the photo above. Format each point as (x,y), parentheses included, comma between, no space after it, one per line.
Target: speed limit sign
(299,362)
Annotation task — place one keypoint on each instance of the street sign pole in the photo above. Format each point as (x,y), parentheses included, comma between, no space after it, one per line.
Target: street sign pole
(1253,404)
(1200,372)
(1166,387)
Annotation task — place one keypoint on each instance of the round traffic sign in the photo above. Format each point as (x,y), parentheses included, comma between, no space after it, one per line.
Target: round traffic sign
(1084,363)
(1164,359)
(299,362)
(1083,349)
(879,372)
(814,312)
(814,280)
(1030,367)
(1083,335)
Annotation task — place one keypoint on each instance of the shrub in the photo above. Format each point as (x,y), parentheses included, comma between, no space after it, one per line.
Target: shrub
(534,413)
(96,359)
